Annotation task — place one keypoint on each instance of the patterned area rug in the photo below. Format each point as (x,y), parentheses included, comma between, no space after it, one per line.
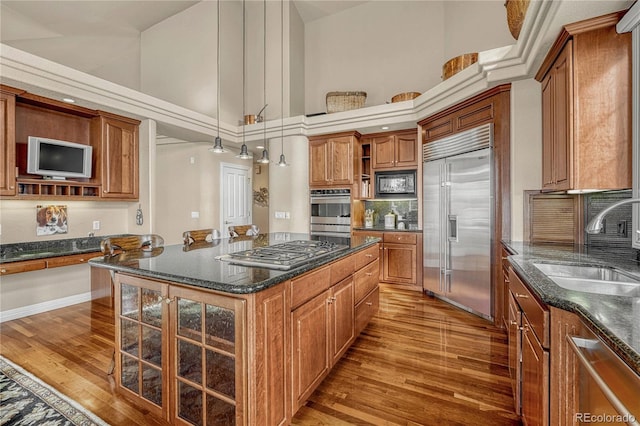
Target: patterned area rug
(25,400)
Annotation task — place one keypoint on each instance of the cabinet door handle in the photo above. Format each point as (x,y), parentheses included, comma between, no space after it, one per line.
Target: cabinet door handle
(368,274)
(522,296)
(513,322)
(368,255)
(369,303)
(3,271)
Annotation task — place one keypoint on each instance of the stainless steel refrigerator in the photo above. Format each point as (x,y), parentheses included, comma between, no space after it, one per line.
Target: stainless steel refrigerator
(458,219)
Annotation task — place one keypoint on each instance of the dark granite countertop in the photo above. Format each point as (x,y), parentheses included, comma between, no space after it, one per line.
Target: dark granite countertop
(381,228)
(615,319)
(31,250)
(197,265)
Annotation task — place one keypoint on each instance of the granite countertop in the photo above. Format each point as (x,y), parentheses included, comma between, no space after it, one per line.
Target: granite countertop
(18,252)
(614,319)
(198,265)
(381,228)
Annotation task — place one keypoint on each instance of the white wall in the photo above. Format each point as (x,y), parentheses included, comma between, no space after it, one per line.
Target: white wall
(474,26)
(380,47)
(114,58)
(183,188)
(526,147)
(289,186)
(389,47)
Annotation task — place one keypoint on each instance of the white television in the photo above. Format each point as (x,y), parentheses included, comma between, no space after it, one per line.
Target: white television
(56,159)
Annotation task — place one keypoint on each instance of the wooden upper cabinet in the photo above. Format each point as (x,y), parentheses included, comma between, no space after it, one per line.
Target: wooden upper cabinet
(331,159)
(118,156)
(7,144)
(394,150)
(586,108)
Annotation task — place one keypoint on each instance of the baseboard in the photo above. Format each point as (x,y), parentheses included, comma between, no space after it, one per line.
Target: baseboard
(38,308)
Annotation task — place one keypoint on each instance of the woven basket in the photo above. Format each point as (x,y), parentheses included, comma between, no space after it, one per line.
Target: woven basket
(457,64)
(407,96)
(516,11)
(345,101)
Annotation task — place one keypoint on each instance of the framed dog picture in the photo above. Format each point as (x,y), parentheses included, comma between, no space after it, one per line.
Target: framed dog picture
(51,220)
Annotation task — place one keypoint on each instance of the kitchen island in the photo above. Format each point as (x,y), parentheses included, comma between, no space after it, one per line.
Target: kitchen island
(202,340)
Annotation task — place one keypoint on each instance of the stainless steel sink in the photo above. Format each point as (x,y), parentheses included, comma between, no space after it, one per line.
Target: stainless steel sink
(592,279)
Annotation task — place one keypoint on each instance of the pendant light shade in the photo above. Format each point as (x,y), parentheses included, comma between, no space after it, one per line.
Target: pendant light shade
(244,153)
(217,147)
(265,157)
(283,161)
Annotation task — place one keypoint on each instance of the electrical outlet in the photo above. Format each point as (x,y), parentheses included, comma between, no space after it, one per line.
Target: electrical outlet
(195,215)
(287,215)
(280,215)
(96,225)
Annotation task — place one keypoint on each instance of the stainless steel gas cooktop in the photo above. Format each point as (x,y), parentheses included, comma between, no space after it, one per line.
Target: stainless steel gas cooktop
(284,256)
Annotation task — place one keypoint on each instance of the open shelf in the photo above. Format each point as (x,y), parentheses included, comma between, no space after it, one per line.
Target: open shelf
(43,189)
(364,176)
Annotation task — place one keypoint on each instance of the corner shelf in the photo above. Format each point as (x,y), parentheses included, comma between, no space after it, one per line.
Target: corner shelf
(365,188)
(49,189)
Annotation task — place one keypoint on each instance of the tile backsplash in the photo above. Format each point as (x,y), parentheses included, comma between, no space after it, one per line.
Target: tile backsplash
(616,222)
(408,209)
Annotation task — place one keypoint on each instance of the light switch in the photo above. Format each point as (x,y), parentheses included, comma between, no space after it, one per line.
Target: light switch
(195,215)
(96,225)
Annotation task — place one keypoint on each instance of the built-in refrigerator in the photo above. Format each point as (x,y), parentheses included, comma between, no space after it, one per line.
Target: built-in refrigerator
(458,219)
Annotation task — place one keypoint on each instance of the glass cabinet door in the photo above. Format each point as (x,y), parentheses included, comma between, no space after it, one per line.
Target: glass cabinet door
(207,332)
(141,352)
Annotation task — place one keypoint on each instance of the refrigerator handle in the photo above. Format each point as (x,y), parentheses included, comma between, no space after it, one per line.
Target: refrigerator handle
(443,240)
(452,228)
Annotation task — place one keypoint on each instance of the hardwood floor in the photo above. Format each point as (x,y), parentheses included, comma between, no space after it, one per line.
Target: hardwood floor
(419,362)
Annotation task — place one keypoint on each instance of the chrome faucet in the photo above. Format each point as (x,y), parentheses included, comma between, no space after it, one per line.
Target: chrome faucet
(595,225)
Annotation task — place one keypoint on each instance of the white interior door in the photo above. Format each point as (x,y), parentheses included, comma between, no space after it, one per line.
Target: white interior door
(236,196)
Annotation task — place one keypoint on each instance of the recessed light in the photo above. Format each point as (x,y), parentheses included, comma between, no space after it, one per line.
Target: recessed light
(69,100)
(385,127)
(259,147)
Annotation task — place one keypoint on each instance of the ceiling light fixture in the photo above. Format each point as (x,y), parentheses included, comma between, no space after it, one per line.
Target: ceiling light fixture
(244,152)
(217,147)
(69,100)
(385,127)
(265,152)
(283,161)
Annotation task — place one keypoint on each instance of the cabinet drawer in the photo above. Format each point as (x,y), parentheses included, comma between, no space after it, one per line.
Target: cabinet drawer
(366,309)
(537,314)
(309,286)
(75,259)
(400,237)
(27,265)
(366,279)
(366,256)
(342,269)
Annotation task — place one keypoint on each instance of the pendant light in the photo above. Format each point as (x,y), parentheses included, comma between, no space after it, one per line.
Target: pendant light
(283,161)
(244,152)
(217,147)
(265,152)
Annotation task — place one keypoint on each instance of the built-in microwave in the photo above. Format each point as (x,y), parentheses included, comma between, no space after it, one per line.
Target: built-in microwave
(396,184)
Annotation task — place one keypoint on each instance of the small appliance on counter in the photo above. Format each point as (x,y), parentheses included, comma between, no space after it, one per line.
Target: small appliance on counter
(390,220)
(368,218)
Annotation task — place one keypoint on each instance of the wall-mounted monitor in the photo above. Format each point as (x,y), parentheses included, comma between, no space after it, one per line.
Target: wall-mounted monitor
(56,159)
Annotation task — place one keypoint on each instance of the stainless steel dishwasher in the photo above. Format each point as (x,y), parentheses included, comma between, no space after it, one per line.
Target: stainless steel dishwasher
(608,390)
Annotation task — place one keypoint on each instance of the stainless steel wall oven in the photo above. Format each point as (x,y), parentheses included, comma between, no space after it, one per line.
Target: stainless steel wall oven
(331,212)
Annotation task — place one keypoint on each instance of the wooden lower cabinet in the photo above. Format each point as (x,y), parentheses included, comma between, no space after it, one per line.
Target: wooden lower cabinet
(180,352)
(323,329)
(535,378)
(310,352)
(529,343)
(399,263)
(400,254)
